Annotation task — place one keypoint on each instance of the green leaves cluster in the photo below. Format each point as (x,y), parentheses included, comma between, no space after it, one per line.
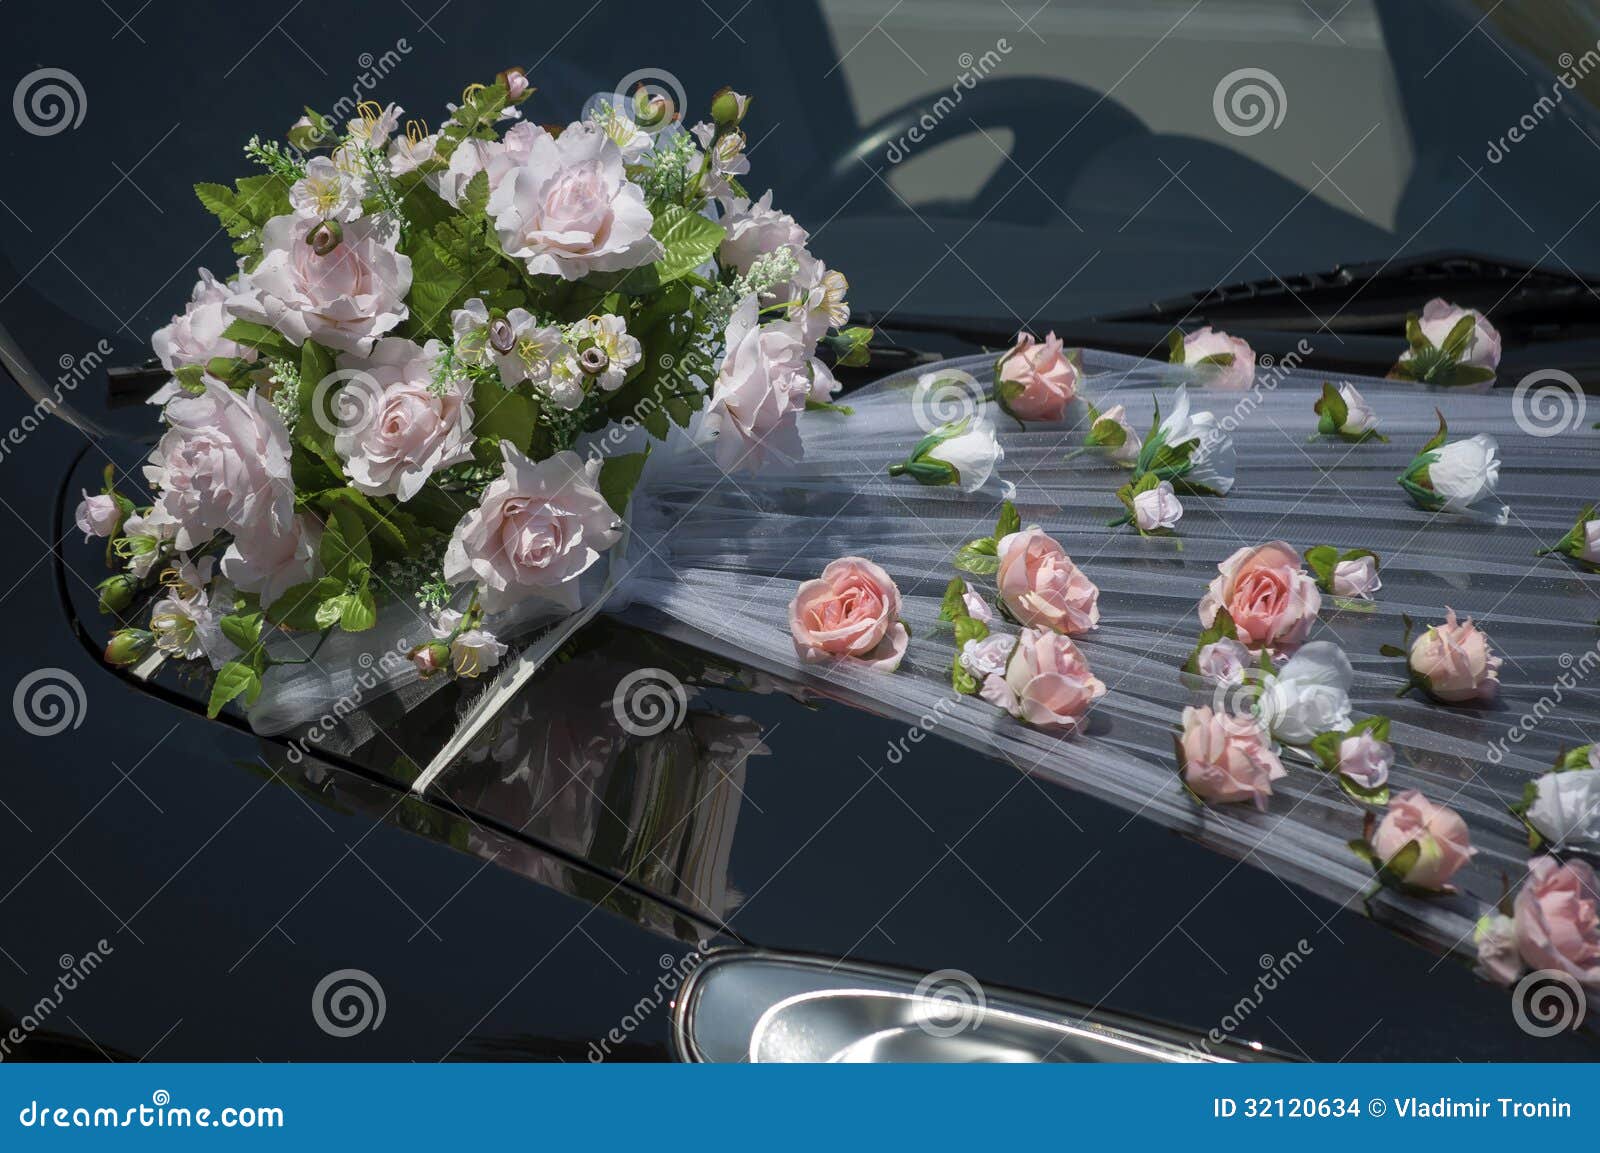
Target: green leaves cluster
(967,628)
(982,554)
(1441,364)
(1333,414)
(244,210)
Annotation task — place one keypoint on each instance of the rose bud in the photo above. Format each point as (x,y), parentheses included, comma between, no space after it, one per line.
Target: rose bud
(98,515)
(1439,834)
(431,658)
(116,592)
(1496,938)
(502,337)
(516,85)
(593,360)
(128,646)
(1233,360)
(1036,381)
(1157,509)
(1355,578)
(728,107)
(1454,662)
(325,237)
(1224,661)
(652,109)
(1366,760)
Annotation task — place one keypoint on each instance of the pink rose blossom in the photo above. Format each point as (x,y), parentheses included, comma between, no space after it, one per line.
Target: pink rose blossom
(537,528)
(1439,833)
(1455,663)
(499,158)
(1440,316)
(404,431)
(851,610)
(1224,661)
(1271,599)
(1157,509)
(1037,381)
(1356,578)
(98,515)
(268,560)
(1228,757)
(1046,682)
(760,391)
(1240,374)
(1366,760)
(196,336)
(977,608)
(755,229)
(1558,926)
(1042,587)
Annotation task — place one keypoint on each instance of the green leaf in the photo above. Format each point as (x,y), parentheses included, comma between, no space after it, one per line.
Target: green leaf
(969,629)
(233,680)
(391,531)
(296,607)
(243,629)
(618,475)
(1458,341)
(954,606)
(501,415)
(1392,650)
(1322,560)
(345,550)
(1331,408)
(1439,437)
(357,611)
(978,556)
(267,341)
(1414,334)
(688,240)
(314,427)
(1175,346)
(1010,521)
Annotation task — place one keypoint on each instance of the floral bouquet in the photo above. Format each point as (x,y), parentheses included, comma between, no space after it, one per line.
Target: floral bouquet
(381,412)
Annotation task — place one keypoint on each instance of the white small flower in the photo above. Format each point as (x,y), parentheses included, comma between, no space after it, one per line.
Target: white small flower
(407,154)
(1212,460)
(532,351)
(474,651)
(988,656)
(1359,417)
(186,627)
(144,537)
(1465,471)
(973,454)
(1157,508)
(1591,542)
(327,192)
(97,515)
(1356,578)
(1309,695)
(1567,809)
(726,156)
(608,333)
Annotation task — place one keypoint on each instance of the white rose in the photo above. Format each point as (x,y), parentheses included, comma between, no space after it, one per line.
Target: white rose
(223,463)
(570,209)
(327,192)
(1240,373)
(1213,458)
(1157,508)
(1309,695)
(1356,578)
(499,158)
(1440,316)
(1465,471)
(267,562)
(97,515)
(973,454)
(1359,417)
(344,300)
(1591,542)
(760,390)
(1224,661)
(535,531)
(755,229)
(405,430)
(987,656)
(1567,809)
(196,336)
(1104,428)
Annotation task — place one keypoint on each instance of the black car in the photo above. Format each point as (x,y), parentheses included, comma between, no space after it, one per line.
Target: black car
(178,888)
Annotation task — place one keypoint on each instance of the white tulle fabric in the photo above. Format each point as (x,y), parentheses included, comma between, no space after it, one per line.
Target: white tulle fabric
(714,559)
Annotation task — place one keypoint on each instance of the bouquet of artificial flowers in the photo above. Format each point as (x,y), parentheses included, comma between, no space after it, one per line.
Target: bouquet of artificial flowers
(379,412)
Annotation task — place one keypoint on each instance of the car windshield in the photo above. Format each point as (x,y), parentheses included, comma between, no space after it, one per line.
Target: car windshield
(1020,162)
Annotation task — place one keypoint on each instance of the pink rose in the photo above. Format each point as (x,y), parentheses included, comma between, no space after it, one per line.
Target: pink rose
(404,430)
(196,336)
(537,528)
(977,608)
(1207,342)
(1498,958)
(1037,381)
(1356,578)
(1271,599)
(97,515)
(760,391)
(1454,662)
(1224,661)
(1157,509)
(498,158)
(987,658)
(1042,587)
(1046,683)
(851,610)
(755,229)
(1228,757)
(1440,316)
(1557,923)
(1438,832)
(269,560)
(1366,760)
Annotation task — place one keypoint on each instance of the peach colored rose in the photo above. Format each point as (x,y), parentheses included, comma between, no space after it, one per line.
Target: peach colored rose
(852,610)
(1042,587)
(1227,757)
(1558,926)
(1046,683)
(1439,833)
(1455,663)
(1037,381)
(1238,373)
(1272,600)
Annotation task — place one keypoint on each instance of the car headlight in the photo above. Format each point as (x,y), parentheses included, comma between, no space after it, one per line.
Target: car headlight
(764,1007)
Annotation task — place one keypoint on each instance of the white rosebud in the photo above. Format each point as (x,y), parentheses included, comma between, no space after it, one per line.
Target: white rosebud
(973,454)
(1356,578)
(1465,471)
(1359,417)
(1157,508)
(1310,695)
(1567,809)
